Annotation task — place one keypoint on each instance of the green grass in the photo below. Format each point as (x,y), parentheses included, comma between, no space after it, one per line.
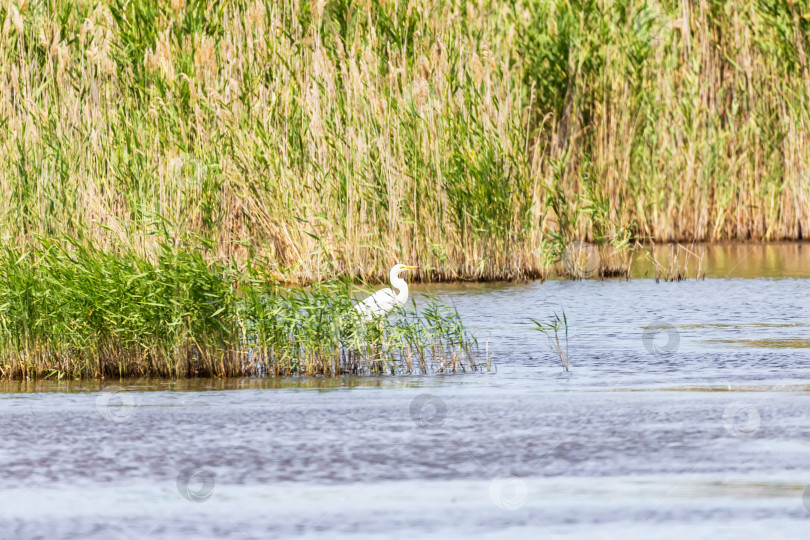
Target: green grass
(89,313)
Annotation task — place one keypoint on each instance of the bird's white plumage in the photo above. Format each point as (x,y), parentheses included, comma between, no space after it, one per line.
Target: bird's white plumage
(384,301)
(378,304)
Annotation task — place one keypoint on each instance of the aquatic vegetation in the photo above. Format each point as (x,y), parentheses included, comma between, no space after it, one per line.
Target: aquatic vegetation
(472,138)
(551,328)
(71,310)
(765,343)
(675,265)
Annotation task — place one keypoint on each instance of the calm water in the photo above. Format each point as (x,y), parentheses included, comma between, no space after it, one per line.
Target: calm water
(686,412)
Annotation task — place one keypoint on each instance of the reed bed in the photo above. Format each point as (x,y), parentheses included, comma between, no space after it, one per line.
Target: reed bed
(475,138)
(84,312)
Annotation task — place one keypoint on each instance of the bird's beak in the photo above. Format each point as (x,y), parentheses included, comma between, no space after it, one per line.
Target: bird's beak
(408,267)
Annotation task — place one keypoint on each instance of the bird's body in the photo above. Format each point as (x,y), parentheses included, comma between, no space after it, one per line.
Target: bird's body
(380,303)
(384,301)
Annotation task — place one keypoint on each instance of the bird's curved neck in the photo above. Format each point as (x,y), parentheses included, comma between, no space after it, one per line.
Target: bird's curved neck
(401,286)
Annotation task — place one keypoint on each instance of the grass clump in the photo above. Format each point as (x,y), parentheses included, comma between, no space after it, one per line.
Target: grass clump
(73,310)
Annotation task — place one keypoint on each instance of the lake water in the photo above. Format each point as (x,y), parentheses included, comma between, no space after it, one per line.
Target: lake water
(686,412)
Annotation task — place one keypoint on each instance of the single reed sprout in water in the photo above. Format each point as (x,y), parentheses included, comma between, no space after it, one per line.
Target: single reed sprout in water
(72,310)
(551,329)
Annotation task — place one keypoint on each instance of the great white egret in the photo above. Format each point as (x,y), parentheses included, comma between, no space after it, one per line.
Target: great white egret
(385,300)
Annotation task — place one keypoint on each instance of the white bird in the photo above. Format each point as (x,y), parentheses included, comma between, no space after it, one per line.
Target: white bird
(385,300)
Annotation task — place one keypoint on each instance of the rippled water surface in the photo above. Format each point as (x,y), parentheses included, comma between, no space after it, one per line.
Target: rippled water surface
(686,413)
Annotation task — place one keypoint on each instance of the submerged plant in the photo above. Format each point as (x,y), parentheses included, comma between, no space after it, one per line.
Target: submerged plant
(551,328)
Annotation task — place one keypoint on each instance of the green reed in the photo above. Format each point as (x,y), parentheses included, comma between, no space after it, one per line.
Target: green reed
(552,327)
(69,310)
(474,138)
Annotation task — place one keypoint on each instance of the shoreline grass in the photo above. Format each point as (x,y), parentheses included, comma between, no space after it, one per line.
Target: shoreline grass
(90,313)
(474,138)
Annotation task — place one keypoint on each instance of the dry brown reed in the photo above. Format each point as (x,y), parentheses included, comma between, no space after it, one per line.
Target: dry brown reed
(474,138)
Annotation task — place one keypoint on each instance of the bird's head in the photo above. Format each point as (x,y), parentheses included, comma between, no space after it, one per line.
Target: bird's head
(397,269)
